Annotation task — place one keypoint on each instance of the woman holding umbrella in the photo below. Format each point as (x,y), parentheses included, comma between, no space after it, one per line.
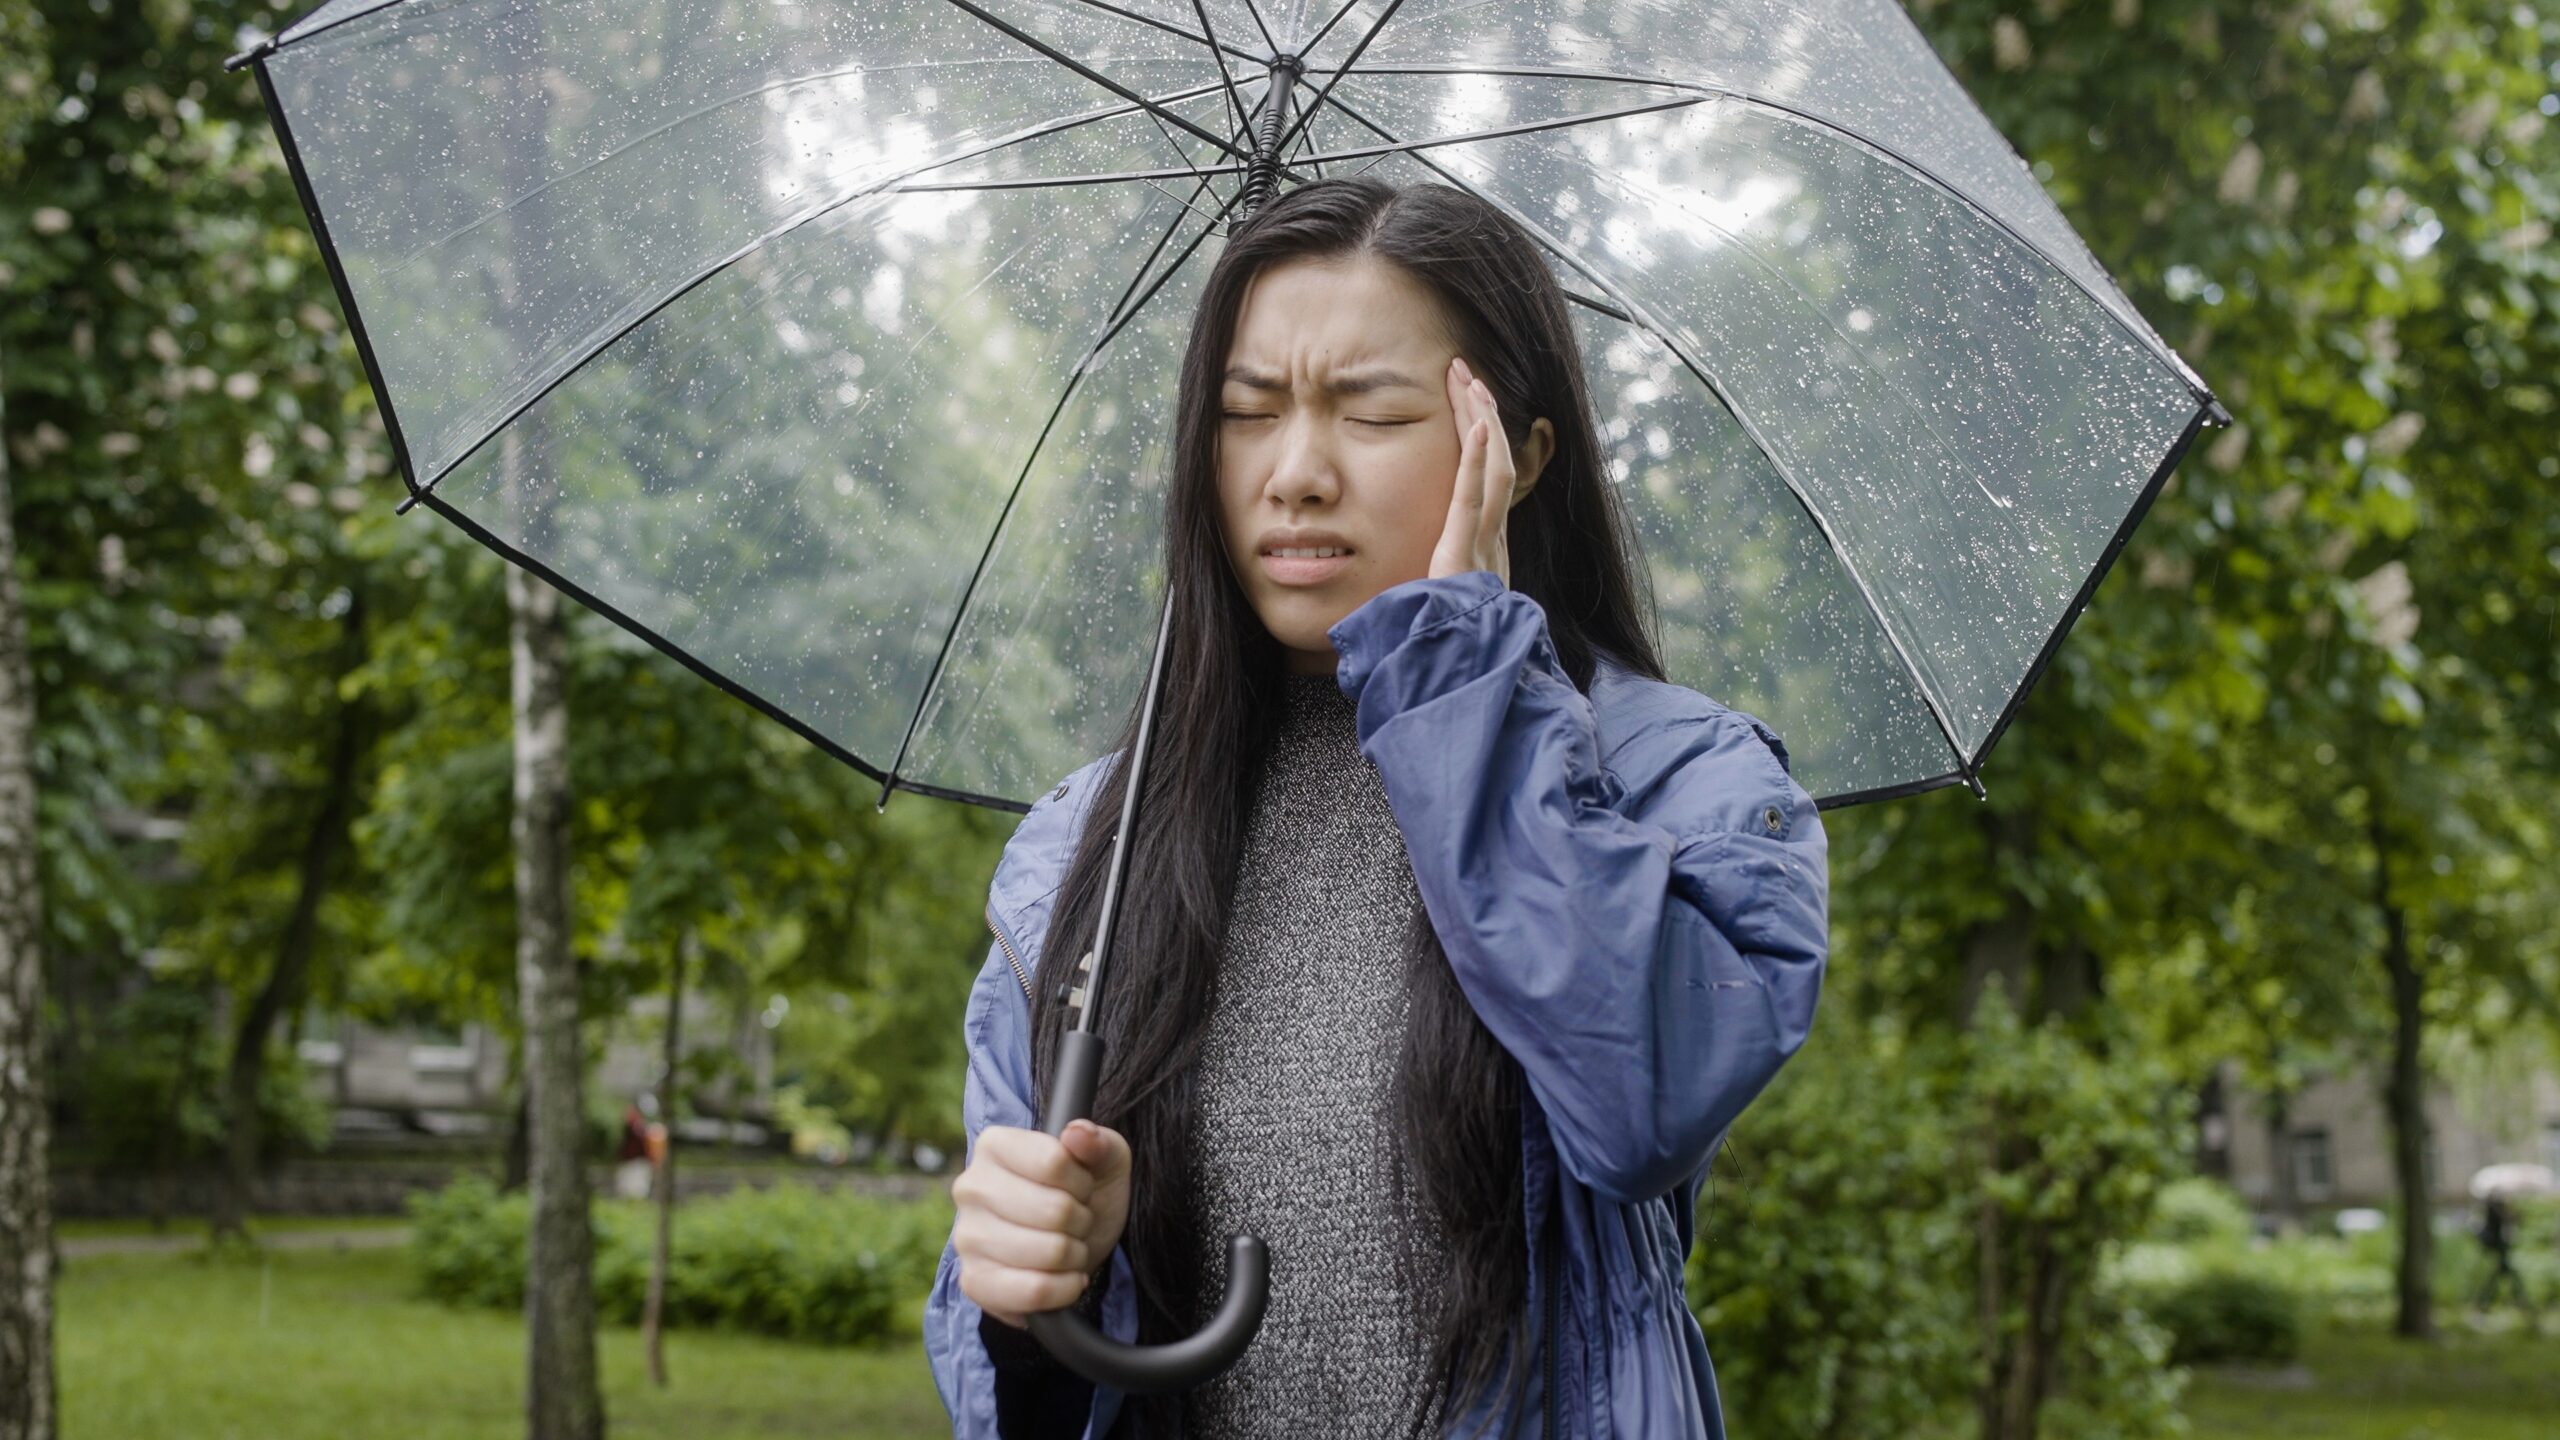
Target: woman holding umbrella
(1455,937)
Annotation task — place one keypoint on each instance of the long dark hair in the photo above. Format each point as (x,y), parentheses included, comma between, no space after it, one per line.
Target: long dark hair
(1456,1094)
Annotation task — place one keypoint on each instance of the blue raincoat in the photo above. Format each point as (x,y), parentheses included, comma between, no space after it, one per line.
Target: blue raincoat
(1634,896)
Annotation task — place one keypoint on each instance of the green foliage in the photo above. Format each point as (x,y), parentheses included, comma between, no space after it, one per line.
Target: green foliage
(147,1093)
(1839,1238)
(2222,1315)
(467,1243)
(789,1261)
(1827,1270)
(2197,1208)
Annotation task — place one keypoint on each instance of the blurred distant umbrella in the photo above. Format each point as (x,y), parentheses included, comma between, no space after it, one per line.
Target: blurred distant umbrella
(2513,1181)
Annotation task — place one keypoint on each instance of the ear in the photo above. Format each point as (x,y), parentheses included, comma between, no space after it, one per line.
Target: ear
(1529,459)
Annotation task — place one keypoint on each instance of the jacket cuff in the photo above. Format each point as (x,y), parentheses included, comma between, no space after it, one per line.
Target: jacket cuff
(1366,636)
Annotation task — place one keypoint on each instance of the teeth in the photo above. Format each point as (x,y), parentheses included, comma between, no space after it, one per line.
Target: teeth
(1310,554)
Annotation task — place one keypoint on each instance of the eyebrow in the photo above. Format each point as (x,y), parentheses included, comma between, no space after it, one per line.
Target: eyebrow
(1358,382)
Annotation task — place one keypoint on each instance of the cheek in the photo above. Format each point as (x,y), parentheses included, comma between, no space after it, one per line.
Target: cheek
(1412,489)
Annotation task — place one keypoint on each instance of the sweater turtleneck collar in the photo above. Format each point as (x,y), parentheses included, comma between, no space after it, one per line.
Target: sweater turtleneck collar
(1314,702)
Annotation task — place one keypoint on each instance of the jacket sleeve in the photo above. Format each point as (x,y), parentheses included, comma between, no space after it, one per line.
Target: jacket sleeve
(1023,1398)
(1650,960)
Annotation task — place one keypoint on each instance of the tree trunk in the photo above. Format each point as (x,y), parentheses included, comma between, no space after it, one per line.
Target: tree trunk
(562,1401)
(2404,1097)
(515,1161)
(26,1181)
(2027,1276)
(653,1310)
(2286,1199)
(282,993)
(2213,1127)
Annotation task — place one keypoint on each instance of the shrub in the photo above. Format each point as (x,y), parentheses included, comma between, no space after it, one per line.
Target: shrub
(467,1243)
(2229,1315)
(2195,1209)
(789,1261)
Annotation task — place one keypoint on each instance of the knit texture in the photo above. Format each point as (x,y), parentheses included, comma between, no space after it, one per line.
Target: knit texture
(1294,1140)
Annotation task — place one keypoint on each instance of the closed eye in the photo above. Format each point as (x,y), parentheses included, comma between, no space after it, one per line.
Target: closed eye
(1356,420)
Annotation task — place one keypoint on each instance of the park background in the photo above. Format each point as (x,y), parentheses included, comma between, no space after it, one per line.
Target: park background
(2142,1096)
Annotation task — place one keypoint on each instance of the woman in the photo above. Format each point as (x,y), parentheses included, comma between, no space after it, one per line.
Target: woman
(1453,937)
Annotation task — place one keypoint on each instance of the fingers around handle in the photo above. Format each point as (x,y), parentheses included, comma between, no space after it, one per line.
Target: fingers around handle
(1183,1364)
(1145,1369)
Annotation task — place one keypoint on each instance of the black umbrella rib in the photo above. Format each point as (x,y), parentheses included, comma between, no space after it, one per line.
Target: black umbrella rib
(1256,12)
(1644,318)
(1327,28)
(2098,572)
(1892,383)
(337,269)
(1124,313)
(2194,382)
(1244,122)
(2149,345)
(285,36)
(565,176)
(1170,28)
(566,586)
(1874,793)
(1098,78)
(1526,127)
(419,489)
(1045,182)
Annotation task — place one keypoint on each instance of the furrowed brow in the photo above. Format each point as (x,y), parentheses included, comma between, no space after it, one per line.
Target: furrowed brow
(1359,382)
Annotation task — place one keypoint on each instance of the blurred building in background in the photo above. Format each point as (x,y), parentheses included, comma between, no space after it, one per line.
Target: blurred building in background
(2327,1146)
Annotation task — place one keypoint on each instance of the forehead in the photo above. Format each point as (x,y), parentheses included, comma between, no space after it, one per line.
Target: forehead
(1333,314)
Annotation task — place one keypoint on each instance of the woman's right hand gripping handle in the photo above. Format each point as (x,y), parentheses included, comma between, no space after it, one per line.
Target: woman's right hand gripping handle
(1038,1216)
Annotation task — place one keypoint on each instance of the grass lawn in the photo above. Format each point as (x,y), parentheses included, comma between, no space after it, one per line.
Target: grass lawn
(322,1345)
(2360,1384)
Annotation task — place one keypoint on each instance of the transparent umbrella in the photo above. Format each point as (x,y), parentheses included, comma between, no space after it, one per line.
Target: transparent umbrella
(827,347)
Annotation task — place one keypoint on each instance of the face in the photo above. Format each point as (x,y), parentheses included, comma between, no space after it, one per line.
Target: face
(1337,421)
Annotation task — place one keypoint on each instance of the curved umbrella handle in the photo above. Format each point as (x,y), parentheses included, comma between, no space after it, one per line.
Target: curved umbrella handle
(1146,1369)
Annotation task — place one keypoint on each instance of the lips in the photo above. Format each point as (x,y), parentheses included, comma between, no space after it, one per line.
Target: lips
(1303,570)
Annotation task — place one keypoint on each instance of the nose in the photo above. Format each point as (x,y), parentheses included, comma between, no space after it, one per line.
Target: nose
(1302,468)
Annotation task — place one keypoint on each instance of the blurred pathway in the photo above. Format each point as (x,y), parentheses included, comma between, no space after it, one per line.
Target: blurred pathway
(375,1237)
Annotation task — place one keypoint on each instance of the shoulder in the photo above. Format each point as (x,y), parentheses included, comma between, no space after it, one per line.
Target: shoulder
(1035,858)
(1690,763)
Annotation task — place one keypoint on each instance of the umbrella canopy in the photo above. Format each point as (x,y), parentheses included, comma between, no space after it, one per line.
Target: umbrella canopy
(830,347)
(2513,1181)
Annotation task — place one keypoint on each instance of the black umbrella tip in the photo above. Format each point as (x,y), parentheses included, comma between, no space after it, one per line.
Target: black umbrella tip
(2215,415)
(252,55)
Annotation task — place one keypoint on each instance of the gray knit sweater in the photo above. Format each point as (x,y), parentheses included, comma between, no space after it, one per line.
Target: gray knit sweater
(1294,1141)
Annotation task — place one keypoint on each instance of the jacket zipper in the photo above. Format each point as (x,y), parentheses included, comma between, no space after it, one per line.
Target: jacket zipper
(1009,957)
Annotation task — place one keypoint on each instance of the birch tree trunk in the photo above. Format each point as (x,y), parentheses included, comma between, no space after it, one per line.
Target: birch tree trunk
(562,1401)
(26,1201)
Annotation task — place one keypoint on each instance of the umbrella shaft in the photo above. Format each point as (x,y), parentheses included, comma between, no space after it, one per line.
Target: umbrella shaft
(1262,173)
(1137,768)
